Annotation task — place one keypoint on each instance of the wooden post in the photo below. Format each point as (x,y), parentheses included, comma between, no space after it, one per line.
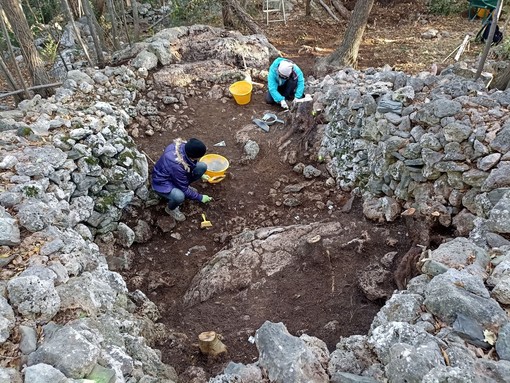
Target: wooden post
(210,344)
(91,18)
(111,11)
(462,48)
(488,43)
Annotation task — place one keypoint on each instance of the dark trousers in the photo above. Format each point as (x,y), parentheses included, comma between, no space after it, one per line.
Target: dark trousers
(287,90)
(176,196)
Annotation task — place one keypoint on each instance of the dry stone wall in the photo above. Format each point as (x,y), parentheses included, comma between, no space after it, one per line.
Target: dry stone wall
(439,144)
(68,169)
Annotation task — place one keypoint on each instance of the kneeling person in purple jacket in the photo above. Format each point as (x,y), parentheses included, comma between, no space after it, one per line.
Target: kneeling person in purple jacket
(175,170)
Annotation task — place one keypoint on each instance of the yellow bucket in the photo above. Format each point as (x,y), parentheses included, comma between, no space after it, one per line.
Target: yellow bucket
(216,167)
(483,13)
(241,91)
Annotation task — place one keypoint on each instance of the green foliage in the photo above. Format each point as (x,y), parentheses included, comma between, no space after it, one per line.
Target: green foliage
(447,7)
(49,50)
(187,12)
(41,11)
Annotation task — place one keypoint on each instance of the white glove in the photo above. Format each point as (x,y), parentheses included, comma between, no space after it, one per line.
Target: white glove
(284,105)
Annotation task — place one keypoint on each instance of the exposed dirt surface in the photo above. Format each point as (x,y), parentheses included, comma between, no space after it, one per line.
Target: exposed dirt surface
(319,296)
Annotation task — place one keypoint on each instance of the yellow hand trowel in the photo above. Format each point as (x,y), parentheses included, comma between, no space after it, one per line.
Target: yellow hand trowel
(205,223)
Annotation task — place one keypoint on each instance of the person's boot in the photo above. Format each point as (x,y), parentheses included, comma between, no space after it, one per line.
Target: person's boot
(176,214)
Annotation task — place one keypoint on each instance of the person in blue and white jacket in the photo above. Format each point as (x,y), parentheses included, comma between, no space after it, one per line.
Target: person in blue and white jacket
(285,82)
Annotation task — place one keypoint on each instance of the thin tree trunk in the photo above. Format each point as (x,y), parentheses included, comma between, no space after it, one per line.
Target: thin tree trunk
(344,12)
(308,8)
(136,21)
(75,9)
(55,37)
(19,24)
(99,7)
(124,21)
(347,54)
(488,42)
(31,10)
(95,38)
(31,88)
(330,12)
(115,34)
(70,18)
(245,17)
(12,82)
(227,14)
(11,53)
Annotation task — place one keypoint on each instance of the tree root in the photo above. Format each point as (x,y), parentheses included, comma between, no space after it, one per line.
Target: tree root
(419,228)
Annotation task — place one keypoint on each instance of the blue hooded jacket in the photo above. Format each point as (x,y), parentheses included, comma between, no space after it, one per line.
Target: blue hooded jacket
(274,81)
(173,170)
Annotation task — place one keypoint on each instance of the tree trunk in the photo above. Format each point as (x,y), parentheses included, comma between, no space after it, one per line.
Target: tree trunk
(99,7)
(210,344)
(502,80)
(14,63)
(21,29)
(11,81)
(124,21)
(308,8)
(344,12)
(70,18)
(244,17)
(227,14)
(347,54)
(115,34)
(75,8)
(93,30)
(330,12)
(488,42)
(136,22)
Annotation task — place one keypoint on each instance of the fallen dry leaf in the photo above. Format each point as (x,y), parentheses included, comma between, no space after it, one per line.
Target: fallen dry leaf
(489,337)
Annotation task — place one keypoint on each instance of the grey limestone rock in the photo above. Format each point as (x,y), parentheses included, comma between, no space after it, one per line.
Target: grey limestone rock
(73,352)
(44,373)
(7,319)
(383,338)
(34,298)
(287,358)
(460,253)
(400,307)
(503,342)
(458,292)
(247,373)
(9,230)
(28,343)
(346,377)
(408,364)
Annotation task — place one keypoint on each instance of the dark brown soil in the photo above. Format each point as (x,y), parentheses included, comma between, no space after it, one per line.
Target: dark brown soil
(304,298)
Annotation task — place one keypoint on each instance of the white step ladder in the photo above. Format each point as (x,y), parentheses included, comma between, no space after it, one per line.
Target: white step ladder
(276,7)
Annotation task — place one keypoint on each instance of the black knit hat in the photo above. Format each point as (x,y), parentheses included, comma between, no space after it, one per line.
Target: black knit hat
(194,148)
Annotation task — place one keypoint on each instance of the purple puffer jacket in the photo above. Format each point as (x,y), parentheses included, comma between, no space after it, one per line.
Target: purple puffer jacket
(173,170)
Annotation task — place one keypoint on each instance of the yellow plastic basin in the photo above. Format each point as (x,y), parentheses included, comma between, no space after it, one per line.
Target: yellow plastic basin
(241,91)
(216,167)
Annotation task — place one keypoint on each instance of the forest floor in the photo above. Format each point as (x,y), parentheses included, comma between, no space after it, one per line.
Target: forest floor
(244,199)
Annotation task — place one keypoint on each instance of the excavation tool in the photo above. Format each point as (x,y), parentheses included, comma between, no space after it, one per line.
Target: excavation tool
(261,124)
(205,223)
(271,118)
